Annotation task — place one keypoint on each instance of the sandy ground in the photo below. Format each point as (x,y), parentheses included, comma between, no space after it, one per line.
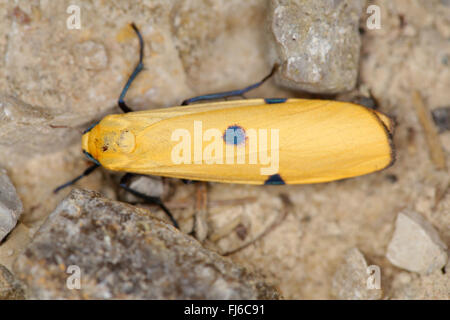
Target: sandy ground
(319,223)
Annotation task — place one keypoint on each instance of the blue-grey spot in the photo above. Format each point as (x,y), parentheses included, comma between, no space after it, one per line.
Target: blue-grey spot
(275,100)
(274,179)
(234,135)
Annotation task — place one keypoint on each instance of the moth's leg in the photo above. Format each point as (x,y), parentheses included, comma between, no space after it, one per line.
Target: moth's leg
(86,172)
(139,67)
(226,94)
(149,199)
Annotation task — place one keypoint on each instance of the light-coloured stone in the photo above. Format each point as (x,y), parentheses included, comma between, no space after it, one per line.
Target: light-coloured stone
(317,43)
(415,245)
(10,205)
(350,280)
(152,186)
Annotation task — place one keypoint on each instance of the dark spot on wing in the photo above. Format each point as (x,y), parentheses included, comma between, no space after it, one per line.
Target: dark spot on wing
(274,179)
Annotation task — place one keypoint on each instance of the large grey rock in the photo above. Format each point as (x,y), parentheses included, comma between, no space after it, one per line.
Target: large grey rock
(351,277)
(10,205)
(120,251)
(415,245)
(317,43)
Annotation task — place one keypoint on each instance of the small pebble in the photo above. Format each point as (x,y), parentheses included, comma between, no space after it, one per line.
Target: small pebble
(441,118)
(152,186)
(317,43)
(350,281)
(415,245)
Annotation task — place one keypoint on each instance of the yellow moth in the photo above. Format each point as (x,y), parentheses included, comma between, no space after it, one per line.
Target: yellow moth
(257,141)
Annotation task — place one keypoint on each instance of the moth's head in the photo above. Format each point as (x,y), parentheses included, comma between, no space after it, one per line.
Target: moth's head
(107,140)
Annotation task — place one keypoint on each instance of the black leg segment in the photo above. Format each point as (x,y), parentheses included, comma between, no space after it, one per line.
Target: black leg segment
(86,172)
(227,94)
(139,67)
(152,200)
